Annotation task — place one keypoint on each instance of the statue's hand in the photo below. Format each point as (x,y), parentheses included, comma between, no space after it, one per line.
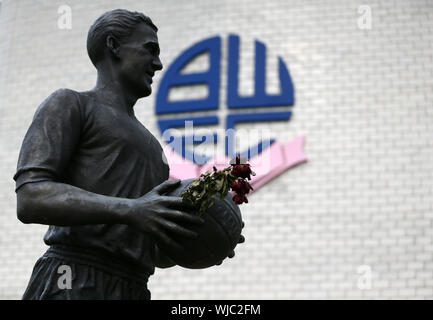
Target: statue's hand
(241,240)
(160,215)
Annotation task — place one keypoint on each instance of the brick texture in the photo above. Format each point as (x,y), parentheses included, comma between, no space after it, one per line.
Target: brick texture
(363,102)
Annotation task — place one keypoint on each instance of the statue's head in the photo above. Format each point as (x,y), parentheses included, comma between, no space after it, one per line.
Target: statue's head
(128,41)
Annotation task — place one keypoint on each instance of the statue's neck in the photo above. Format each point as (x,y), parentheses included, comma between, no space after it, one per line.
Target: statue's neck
(110,90)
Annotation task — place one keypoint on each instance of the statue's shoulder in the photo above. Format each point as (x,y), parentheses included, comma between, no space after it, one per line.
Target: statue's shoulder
(62,101)
(63,95)
(62,98)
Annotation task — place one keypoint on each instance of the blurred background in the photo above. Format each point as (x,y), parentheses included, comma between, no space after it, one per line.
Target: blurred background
(354,221)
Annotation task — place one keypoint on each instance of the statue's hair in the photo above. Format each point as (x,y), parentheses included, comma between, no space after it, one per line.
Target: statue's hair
(119,23)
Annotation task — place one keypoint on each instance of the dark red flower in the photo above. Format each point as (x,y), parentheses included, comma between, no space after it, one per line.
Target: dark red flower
(239,199)
(236,186)
(242,171)
(241,186)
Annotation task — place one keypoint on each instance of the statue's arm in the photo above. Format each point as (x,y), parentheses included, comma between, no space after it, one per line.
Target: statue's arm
(47,148)
(53,203)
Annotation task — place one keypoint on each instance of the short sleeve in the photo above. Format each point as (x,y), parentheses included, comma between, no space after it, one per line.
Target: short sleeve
(50,140)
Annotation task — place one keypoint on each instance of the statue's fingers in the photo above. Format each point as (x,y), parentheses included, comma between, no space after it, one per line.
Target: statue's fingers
(241,239)
(175,228)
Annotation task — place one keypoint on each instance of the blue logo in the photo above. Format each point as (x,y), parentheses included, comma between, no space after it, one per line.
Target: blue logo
(235,103)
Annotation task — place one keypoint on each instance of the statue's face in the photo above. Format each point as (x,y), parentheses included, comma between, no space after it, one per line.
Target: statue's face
(139,59)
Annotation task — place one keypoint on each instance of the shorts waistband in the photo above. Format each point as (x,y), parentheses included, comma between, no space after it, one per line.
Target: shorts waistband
(100,260)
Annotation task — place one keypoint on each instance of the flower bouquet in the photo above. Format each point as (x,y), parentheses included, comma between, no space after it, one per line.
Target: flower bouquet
(221,231)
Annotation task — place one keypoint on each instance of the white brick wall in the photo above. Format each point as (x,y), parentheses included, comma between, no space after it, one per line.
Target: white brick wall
(363,101)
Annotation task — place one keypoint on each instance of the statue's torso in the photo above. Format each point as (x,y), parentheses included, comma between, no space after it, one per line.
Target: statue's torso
(116,156)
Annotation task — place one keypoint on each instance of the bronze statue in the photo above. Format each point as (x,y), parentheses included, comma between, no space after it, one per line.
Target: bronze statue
(92,172)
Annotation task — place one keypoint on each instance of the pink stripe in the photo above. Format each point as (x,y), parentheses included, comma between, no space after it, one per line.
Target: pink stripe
(275,160)
(180,168)
(267,165)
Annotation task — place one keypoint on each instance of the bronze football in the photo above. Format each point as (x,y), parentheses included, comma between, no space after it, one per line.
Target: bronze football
(217,237)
